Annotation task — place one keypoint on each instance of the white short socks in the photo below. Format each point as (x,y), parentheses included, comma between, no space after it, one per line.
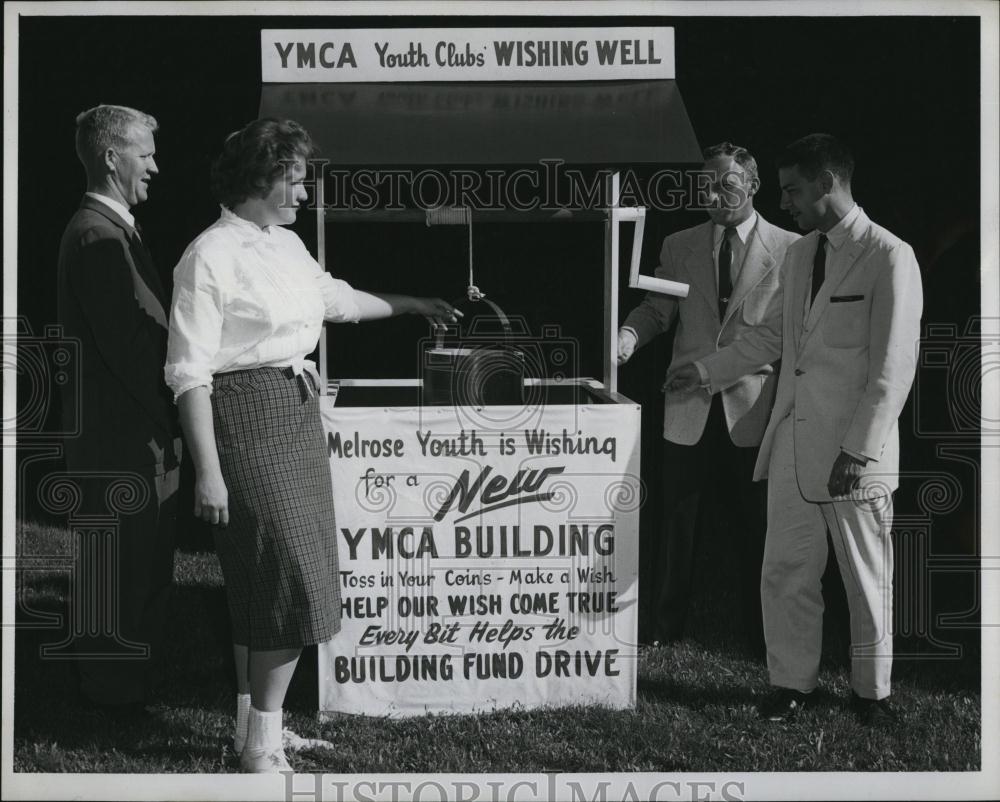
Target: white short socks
(242,716)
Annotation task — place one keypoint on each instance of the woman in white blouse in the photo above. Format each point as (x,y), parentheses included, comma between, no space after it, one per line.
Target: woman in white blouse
(248,307)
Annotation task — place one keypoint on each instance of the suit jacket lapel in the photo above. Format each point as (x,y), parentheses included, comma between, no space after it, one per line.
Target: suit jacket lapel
(146,267)
(853,247)
(149,292)
(148,289)
(799,277)
(700,265)
(756,263)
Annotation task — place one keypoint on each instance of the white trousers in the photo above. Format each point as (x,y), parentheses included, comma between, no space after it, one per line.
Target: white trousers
(795,556)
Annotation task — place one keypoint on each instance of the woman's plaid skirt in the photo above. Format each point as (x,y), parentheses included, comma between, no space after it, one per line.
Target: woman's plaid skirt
(279,551)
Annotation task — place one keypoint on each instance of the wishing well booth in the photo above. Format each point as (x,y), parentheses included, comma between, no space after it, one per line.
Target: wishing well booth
(488,508)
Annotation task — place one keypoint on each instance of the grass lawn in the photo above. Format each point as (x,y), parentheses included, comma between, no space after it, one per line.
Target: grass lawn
(695,709)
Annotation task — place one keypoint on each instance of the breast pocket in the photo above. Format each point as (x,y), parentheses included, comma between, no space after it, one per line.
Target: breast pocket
(845,322)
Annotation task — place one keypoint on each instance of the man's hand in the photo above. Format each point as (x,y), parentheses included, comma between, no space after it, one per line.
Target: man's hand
(626,345)
(845,475)
(686,379)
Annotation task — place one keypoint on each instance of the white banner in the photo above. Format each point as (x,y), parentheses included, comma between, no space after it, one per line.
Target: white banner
(483,569)
(466,54)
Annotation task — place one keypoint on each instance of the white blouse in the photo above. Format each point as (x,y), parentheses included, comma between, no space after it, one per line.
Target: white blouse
(247,297)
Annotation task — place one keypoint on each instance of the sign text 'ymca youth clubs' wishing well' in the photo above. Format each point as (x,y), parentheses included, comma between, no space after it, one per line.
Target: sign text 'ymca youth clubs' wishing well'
(467,54)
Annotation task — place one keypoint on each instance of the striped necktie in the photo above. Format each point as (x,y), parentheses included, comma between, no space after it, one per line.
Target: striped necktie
(725,270)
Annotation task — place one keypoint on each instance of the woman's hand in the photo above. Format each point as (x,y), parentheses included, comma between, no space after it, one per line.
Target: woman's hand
(211,499)
(437,311)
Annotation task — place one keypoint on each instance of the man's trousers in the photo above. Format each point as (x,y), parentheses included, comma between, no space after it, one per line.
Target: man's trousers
(795,556)
(122,580)
(711,476)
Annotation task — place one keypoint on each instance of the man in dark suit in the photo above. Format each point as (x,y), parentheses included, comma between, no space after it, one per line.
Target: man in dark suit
(125,459)
(730,261)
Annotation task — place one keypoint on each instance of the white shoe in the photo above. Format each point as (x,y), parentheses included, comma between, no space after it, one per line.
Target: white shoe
(296,743)
(260,761)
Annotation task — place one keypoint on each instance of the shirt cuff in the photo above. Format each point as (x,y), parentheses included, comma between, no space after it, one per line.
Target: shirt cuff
(180,378)
(857,455)
(706,380)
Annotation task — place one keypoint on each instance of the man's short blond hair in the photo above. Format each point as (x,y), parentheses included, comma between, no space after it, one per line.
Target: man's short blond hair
(104,127)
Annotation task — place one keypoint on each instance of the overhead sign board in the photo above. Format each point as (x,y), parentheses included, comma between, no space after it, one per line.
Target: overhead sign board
(466,54)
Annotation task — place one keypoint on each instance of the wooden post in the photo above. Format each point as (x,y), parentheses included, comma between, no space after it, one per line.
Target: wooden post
(321,258)
(611,287)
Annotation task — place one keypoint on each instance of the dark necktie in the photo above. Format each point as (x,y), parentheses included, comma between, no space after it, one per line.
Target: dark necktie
(139,245)
(143,257)
(725,268)
(156,303)
(819,267)
(140,249)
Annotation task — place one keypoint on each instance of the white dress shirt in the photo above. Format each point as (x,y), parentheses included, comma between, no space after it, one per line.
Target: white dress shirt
(739,245)
(835,253)
(247,297)
(121,210)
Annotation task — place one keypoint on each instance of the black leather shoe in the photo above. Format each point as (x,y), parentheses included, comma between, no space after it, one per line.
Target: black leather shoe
(783,704)
(873,712)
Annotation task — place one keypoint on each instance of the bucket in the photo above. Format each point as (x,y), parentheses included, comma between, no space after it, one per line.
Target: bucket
(476,371)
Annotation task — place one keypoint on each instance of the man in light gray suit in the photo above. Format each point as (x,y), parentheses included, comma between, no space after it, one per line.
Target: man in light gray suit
(731,264)
(846,324)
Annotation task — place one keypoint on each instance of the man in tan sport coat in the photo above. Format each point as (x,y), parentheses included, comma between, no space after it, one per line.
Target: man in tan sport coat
(846,324)
(711,442)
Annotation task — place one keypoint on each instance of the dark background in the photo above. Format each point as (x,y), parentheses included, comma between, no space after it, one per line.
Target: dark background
(903,92)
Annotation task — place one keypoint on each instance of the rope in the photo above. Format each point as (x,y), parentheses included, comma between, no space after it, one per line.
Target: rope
(457,215)
(474,293)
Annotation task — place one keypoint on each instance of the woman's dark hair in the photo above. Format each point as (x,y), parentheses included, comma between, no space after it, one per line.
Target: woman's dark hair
(256,156)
